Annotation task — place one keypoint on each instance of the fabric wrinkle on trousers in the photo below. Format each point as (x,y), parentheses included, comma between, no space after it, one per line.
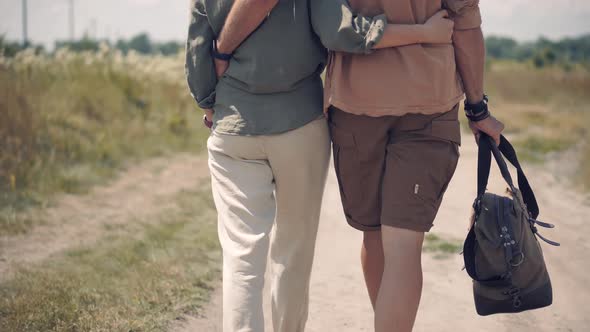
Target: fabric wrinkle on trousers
(268,192)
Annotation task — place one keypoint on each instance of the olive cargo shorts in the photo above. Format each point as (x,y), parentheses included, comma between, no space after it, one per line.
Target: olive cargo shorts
(394,170)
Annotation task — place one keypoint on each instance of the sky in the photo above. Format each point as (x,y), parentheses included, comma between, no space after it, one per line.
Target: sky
(167,19)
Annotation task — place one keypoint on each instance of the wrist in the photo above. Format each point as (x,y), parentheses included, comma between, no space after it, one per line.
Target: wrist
(477,111)
(422,33)
(474,98)
(221,47)
(218,53)
(206,122)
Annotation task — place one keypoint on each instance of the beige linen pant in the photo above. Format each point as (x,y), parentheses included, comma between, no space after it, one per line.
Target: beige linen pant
(264,183)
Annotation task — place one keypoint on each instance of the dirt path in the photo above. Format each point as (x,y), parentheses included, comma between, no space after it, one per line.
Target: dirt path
(338,297)
(139,192)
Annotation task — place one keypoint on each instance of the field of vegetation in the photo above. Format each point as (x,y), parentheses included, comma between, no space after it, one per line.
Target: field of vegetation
(136,279)
(546,112)
(72,120)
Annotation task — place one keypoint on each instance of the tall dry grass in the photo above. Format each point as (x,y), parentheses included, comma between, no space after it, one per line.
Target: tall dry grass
(546,111)
(70,120)
(515,82)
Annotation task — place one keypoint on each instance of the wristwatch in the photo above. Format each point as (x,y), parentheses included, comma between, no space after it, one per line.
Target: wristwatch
(477,112)
(220,56)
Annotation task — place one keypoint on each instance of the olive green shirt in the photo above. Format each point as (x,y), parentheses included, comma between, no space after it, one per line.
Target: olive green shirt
(273,81)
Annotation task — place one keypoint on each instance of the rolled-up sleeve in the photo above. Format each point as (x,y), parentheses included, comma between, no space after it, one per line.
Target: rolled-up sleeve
(341,30)
(199,66)
(465,13)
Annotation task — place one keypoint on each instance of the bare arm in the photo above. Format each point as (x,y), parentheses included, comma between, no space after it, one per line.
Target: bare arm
(400,35)
(470,58)
(438,29)
(469,46)
(244,17)
(341,29)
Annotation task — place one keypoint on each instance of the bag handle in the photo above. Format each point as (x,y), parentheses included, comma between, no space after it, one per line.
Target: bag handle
(487,148)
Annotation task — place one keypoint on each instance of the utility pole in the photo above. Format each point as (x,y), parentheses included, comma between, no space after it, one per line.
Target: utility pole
(25,24)
(72,26)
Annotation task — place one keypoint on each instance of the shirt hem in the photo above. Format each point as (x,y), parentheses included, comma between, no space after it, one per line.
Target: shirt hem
(238,132)
(394,110)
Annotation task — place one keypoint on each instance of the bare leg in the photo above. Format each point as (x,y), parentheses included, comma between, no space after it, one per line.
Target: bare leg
(372,262)
(401,286)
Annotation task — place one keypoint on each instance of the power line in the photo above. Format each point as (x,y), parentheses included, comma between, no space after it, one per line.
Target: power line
(72,22)
(25,23)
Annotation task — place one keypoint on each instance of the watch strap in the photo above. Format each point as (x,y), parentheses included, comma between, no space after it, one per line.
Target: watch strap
(220,56)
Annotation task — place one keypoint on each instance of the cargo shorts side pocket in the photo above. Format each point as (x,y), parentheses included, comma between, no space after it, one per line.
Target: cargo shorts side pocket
(448,130)
(447,134)
(427,159)
(433,168)
(346,165)
(448,168)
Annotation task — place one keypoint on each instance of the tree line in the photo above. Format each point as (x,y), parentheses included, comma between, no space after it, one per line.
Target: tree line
(542,52)
(141,43)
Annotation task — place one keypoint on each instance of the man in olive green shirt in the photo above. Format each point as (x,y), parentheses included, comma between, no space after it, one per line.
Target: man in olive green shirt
(269,149)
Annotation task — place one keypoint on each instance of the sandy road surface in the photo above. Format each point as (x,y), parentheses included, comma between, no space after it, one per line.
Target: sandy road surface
(338,297)
(140,191)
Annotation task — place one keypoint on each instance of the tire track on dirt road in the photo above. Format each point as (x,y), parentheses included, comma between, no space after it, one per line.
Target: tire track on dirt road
(139,192)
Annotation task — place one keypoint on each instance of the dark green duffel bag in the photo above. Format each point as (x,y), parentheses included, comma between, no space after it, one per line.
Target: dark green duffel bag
(501,252)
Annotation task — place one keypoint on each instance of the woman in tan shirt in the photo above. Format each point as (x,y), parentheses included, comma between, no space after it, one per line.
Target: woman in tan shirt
(396,136)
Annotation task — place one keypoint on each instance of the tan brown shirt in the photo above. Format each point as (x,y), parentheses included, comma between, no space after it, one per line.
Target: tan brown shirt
(419,78)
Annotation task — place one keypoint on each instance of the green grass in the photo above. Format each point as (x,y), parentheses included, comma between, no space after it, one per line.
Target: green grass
(535,148)
(16,221)
(125,283)
(72,121)
(546,111)
(441,248)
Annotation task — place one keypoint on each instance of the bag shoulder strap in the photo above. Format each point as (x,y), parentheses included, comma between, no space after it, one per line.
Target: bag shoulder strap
(523,183)
(487,148)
